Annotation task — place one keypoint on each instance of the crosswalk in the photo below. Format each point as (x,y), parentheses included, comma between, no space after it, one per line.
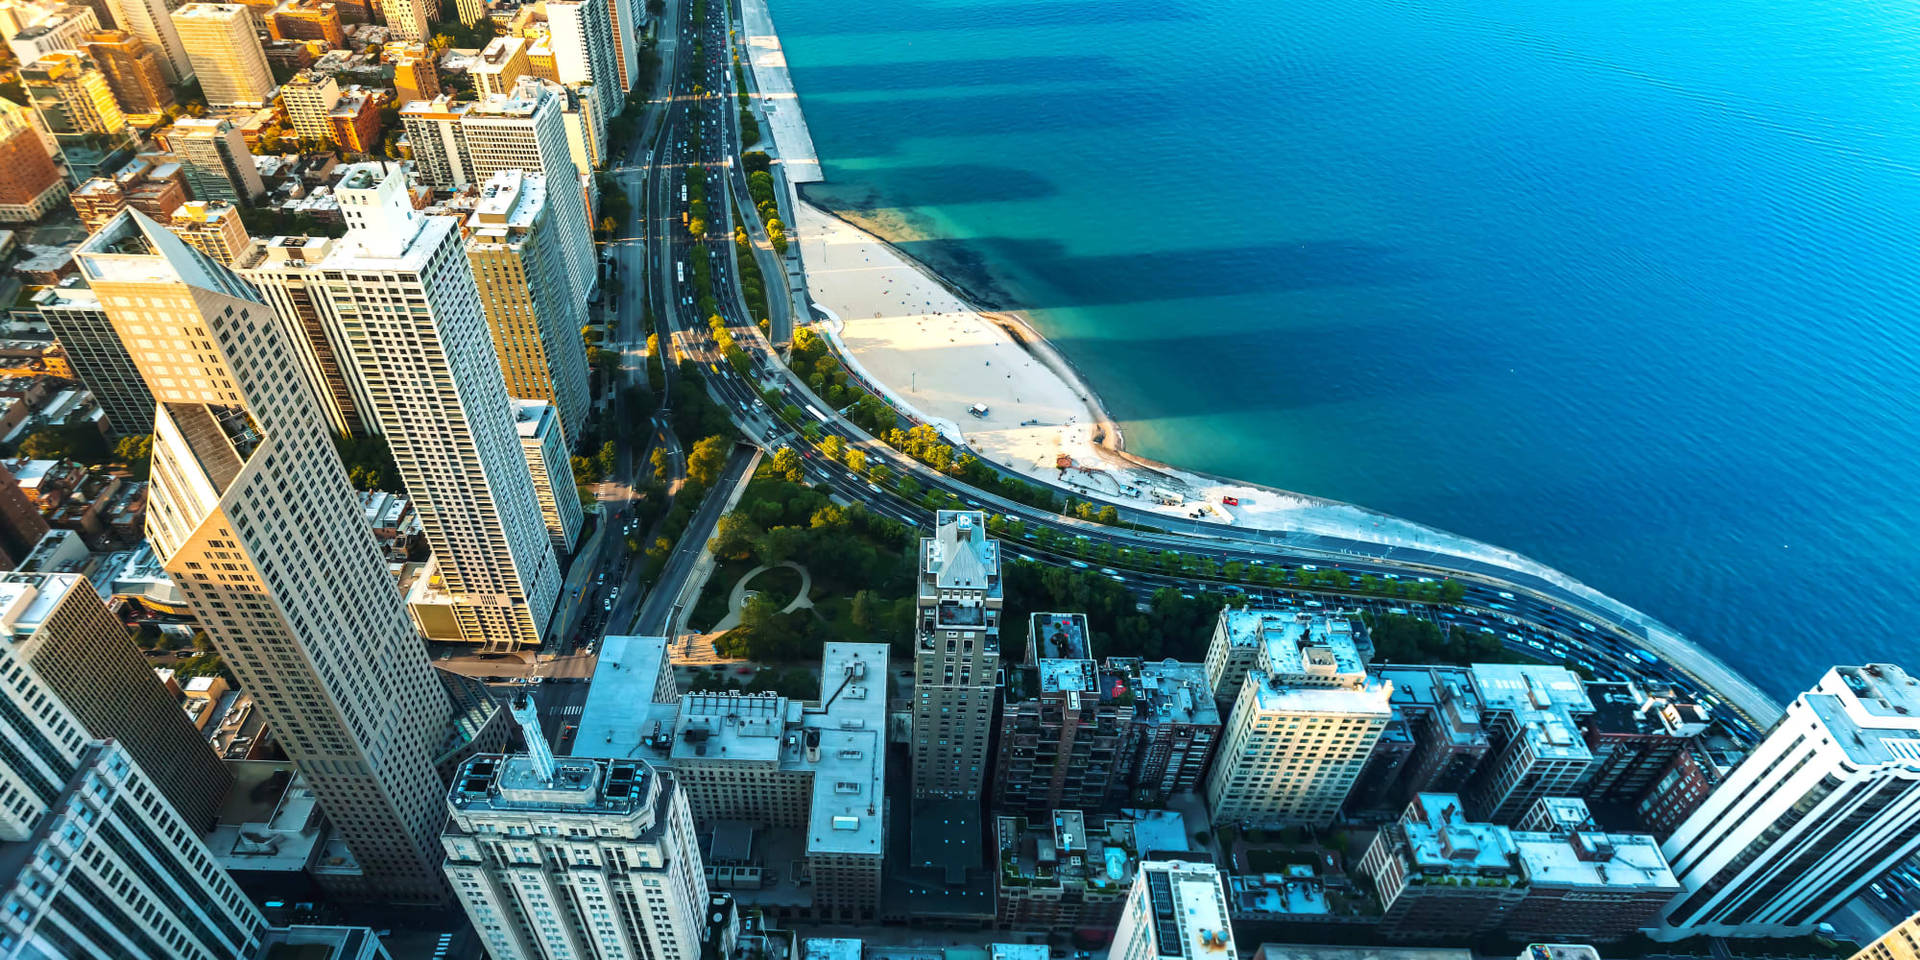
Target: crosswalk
(570,711)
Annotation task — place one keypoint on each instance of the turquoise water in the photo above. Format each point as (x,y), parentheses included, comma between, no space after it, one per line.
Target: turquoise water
(1629,287)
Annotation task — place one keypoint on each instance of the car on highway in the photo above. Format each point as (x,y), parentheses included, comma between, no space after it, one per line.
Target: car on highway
(1080,564)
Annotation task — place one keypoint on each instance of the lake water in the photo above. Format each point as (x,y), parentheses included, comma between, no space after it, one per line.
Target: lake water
(1629,287)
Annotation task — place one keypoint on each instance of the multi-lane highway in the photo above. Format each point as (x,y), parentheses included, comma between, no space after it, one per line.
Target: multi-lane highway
(1530,611)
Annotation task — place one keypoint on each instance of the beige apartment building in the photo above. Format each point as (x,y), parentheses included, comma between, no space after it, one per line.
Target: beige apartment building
(226,54)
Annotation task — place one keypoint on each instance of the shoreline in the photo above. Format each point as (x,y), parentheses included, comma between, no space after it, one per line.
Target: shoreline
(888,312)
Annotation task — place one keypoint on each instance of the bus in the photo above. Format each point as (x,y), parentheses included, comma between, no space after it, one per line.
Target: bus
(680,271)
(683,193)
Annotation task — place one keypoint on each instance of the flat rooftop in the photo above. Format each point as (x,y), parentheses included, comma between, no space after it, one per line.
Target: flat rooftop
(1627,861)
(1543,699)
(1187,907)
(1442,837)
(1446,691)
(1175,692)
(499,783)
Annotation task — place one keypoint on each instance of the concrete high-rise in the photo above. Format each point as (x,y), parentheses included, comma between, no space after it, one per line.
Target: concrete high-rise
(562,857)
(1532,712)
(97,862)
(151,21)
(286,272)
(1175,911)
(501,64)
(98,357)
(71,94)
(956,655)
(580,32)
(213,228)
(216,160)
(57,625)
(226,54)
(1826,804)
(519,266)
(310,98)
(134,70)
(251,512)
(542,441)
(457,144)
(1306,718)
(400,287)
(1065,725)
(1900,943)
(409,19)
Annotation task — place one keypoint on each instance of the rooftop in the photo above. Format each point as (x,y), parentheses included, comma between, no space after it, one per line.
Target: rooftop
(1543,700)
(1067,852)
(1873,712)
(1187,910)
(1290,894)
(1594,859)
(1448,692)
(1175,692)
(960,555)
(1441,840)
(1622,708)
(501,783)
(830,948)
(1300,647)
(26,599)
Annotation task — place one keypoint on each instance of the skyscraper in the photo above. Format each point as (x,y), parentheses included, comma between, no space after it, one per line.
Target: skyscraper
(286,272)
(408,19)
(956,655)
(1532,712)
(1065,724)
(403,293)
(226,54)
(456,144)
(309,98)
(29,182)
(1305,720)
(251,512)
(1825,805)
(580,33)
(216,159)
(57,625)
(213,228)
(562,857)
(134,70)
(151,22)
(541,441)
(97,862)
(98,357)
(72,94)
(519,266)
(1176,910)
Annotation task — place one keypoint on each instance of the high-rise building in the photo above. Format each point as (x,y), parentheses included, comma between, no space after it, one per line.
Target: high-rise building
(456,144)
(30,184)
(1634,737)
(435,384)
(470,11)
(216,159)
(98,357)
(155,189)
(1177,728)
(58,626)
(226,54)
(135,70)
(72,94)
(64,28)
(1175,911)
(501,64)
(1239,635)
(546,452)
(1441,709)
(626,16)
(286,272)
(260,532)
(98,863)
(213,228)
(581,35)
(562,857)
(414,74)
(21,523)
(307,20)
(1303,726)
(408,19)
(1826,804)
(151,21)
(1065,725)
(1066,873)
(956,655)
(1532,713)
(519,267)
(309,98)
(1900,943)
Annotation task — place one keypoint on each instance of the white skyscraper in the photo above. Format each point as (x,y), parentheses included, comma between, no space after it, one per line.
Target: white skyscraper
(226,54)
(561,857)
(1826,804)
(540,439)
(97,862)
(1175,911)
(151,22)
(1306,718)
(402,292)
(286,272)
(251,512)
(580,33)
(456,144)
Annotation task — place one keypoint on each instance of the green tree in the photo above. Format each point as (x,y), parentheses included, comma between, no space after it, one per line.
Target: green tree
(369,462)
(708,458)
(832,447)
(606,459)
(786,463)
(662,464)
(735,537)
(860,612)
(136,452)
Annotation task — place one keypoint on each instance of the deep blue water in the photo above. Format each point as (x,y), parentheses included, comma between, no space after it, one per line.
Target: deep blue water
(1627,286)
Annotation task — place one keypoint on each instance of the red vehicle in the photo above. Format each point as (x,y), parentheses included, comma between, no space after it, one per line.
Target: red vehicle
(1230,501)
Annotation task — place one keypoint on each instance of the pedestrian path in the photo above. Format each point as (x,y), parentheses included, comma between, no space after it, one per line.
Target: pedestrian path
(738,598)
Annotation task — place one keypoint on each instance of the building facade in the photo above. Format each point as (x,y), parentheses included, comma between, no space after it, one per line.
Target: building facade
(72,94)
(226,54)
(213,228)
(519,268)
(1304,723)
(152,22)
(252,514)
(309,98)
(58,626)
(1532,713)
(286,272)
(30,185)
(1826,804)
(956,656)
(98,357)
(453,436)
(1066,725)
(1174,910)
(552,468)
(134,70)
(217,162)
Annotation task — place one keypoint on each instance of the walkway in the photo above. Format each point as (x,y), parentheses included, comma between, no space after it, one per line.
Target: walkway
(738,598)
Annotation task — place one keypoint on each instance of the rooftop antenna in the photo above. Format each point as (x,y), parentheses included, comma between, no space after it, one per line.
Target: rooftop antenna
(527,714)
